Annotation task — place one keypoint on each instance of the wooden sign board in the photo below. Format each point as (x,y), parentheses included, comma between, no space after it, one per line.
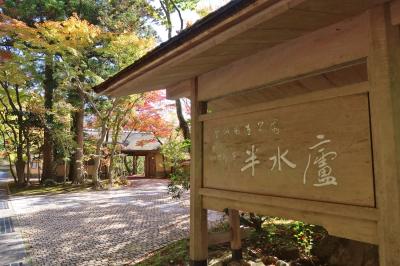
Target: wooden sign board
(316,151)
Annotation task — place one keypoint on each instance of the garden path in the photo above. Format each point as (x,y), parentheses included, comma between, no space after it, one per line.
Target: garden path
(113,227)
(12,250)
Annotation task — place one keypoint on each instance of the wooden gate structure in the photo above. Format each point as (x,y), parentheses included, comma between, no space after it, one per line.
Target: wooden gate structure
(295,113)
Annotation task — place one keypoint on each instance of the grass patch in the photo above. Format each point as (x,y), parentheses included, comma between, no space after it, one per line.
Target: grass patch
(287,240)
(175,254)
(38,189)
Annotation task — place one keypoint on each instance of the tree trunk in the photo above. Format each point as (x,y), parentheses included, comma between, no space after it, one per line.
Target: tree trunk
(97,157)
(183,125)
(165,6)
(76,173)
(28,156)
(65,171)
(115,134)
(8,157)
(111,169)
(20,165)
(11,169)
(48,156)
(164,166)
(127,167)
(48,146)
(72,166)
(134,165)
(95,176)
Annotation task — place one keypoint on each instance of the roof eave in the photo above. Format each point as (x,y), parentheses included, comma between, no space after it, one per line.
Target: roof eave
(235,11)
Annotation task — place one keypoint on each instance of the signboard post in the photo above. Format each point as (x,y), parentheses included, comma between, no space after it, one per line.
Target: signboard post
(330,157)
(384,78)
(198,214)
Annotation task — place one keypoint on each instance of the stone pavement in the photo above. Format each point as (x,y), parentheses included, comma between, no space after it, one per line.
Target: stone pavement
(12,251)
(102,228)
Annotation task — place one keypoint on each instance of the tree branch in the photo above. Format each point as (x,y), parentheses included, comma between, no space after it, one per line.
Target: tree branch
(167,13)
(5,87)
(18,98)
(179,13)
(7,121)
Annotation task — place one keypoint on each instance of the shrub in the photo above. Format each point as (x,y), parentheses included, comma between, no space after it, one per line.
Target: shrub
(175,152)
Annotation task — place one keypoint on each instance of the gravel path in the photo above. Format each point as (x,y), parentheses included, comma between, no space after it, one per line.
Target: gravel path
(102,228)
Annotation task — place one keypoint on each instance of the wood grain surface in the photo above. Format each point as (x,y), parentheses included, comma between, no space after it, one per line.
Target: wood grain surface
(280,144)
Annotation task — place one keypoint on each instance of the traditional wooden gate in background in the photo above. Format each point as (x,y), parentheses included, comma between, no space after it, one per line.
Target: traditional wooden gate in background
(295,113)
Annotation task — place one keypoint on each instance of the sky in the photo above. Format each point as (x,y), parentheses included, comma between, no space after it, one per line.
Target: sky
(188,16)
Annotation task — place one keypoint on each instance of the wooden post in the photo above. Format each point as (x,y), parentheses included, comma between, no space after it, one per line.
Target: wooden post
(134,165)
(198,215)
(236,241)
(384,78)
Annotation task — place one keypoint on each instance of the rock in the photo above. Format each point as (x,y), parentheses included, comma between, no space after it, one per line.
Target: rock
(281,263)
(305,262)
(239,263)
(215,262)
(269,260)
(288,253)
(337,251)
(253,253)
(220,261)
(257,263)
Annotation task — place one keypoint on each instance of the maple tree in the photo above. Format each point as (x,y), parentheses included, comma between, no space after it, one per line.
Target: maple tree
(72,56)
(163,15)
(22,82)
(63,42)
(56,54)
(16,89)
(140,113)
(151,116)
(87,60)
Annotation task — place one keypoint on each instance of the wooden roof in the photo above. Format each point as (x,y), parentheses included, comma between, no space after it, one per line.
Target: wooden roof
(239,29)
(337,78)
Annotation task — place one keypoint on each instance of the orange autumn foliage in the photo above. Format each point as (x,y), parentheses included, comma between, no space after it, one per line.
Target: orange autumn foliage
(152,116)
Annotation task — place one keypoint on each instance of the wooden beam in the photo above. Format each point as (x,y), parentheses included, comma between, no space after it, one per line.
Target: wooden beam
(179,90)
(395,12)
(343,42)
(384,78)
(333,209)
(198,215)
(342,226)
(357,88)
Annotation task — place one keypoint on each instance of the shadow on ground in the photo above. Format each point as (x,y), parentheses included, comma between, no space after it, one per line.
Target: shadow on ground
(102,228)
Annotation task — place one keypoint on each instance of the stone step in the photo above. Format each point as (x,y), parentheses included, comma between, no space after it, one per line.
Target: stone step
(12,249)
(6,225)
(16,264)
(4,205)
